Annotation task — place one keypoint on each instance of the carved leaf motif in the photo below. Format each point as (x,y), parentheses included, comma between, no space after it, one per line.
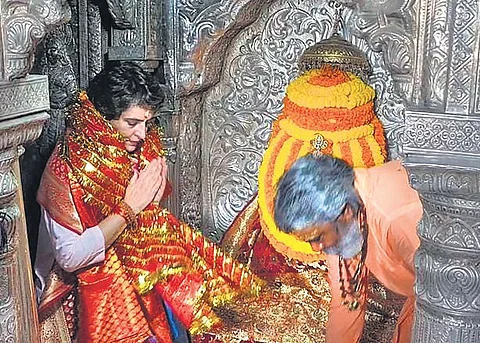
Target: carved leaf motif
(397,49)
(390,108)
(252,77)
(24,26)
(386,26)
(51,12)
(21,34)
(290,31)
(7,232)
(436,60)
(123,13)
(456,234)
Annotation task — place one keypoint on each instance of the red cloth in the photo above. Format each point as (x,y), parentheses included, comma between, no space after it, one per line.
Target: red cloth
(157,258)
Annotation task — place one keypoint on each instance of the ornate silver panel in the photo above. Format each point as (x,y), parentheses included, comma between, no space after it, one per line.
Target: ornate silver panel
(448,275)
(25,95)
(442,152)
(436,137)
(190,147)
(388,27)
(201,40)
(436,55)
(443,156)
(201,25)
(463,33)
(238,111)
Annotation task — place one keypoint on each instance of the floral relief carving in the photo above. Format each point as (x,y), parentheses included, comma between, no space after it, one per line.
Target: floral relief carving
(452,284)
(239,110)
(387,28)
(205,30)
(436,60)
(24,25)
(463,35)
(442,133)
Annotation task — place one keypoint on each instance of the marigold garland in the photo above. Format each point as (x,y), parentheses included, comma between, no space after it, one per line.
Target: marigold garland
(339,106)
(334,136)
(282,242)
(328,77)
(350,94)
(330,118)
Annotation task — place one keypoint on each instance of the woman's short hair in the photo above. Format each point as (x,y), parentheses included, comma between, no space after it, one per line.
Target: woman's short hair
(121,85)
(314,190)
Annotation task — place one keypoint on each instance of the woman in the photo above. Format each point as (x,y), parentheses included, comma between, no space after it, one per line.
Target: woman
(102,221)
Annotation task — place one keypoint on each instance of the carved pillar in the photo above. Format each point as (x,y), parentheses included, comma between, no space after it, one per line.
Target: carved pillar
(23,102)
(432,50)
(23,115)
(442,148)
(448,272)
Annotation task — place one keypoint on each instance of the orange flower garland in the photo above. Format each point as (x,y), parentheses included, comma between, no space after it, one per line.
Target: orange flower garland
(350,94)
(328,77)
(329,119)
(335,104)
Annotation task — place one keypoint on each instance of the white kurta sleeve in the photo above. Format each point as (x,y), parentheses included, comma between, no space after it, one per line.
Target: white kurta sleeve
(73,251)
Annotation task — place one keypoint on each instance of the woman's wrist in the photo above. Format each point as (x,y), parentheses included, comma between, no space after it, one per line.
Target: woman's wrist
(125,211)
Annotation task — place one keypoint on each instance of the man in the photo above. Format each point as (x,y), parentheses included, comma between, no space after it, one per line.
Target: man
(331,110)
(323,201)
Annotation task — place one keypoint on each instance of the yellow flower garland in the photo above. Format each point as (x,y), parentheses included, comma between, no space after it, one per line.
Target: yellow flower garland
(294,247)
(292,141)
(349,95)
(288,243)
(307,135)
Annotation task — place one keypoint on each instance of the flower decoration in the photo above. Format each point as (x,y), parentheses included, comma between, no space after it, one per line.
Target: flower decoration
(336,105)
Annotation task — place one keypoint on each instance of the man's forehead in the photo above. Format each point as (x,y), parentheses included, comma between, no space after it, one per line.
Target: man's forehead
(313,231)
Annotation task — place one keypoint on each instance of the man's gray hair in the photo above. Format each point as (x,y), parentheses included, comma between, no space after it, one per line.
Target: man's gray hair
(314,190)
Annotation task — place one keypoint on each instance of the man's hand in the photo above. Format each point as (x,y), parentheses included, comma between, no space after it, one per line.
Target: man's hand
(144,186)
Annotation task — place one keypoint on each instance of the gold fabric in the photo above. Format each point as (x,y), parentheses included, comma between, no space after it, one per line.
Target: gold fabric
(58,188)
(53,326)
(238,232)
(292,308)
(383,311)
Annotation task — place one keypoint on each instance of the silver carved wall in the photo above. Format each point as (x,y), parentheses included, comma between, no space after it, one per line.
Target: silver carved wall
(232,69)
(228,63)
(240,93)
(442,149)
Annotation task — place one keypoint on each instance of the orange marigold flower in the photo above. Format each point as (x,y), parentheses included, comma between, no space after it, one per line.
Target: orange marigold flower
(328,77)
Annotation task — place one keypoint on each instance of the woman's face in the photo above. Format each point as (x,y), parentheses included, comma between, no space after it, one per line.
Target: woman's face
(132,124)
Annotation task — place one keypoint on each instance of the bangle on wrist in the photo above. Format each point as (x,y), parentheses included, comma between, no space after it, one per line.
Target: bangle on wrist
(125,211)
